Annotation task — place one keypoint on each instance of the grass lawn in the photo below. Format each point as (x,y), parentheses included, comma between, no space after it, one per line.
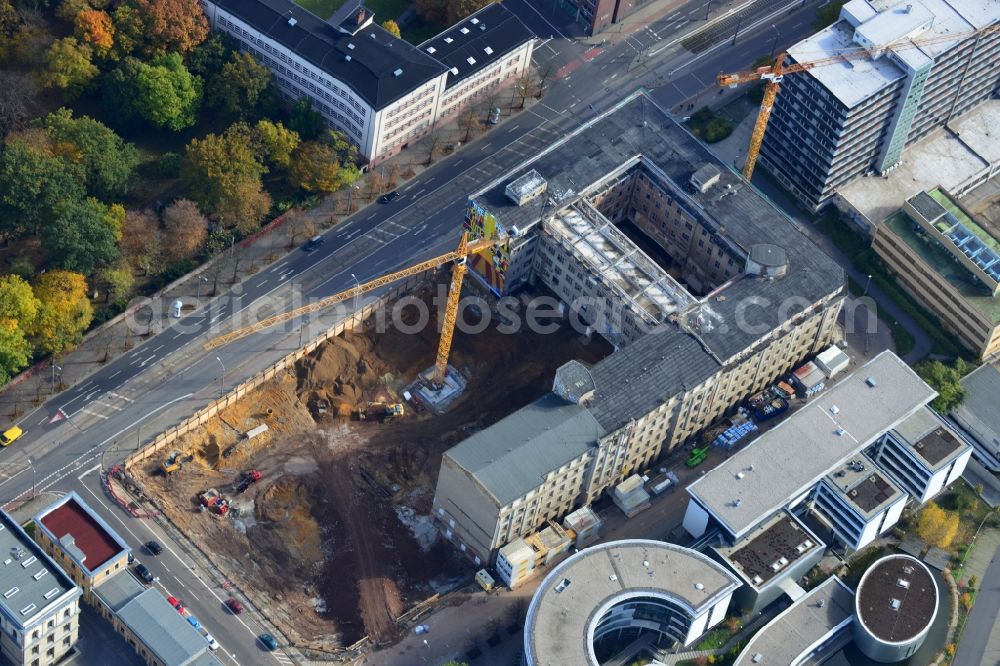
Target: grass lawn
(714,639)
(384,9)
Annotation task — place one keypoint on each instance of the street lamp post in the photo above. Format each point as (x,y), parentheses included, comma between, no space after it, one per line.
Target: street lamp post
(222,377)
(777,34)
(739,24)
(33,476)
(867,283)
(357,285)
(202,280)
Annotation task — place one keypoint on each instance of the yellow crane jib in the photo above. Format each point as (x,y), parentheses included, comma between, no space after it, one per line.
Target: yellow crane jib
(459,255)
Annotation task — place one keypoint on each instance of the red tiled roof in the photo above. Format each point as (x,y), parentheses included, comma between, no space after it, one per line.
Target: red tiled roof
(97,545)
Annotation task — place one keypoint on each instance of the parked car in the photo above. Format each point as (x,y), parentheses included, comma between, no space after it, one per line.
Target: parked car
(176,604)
(153,548)
(9,435)
(235,606)
(389,198)
(144,574)
(212,643)
(193,621)
(313,243)
(268,641)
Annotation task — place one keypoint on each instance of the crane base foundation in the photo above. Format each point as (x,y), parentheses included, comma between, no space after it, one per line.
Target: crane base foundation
(439,398)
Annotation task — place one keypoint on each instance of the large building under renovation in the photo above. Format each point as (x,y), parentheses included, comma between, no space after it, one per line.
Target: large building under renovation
(928,61)
(738,297)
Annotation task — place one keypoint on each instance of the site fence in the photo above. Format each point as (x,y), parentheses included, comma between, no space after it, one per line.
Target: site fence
(202,416)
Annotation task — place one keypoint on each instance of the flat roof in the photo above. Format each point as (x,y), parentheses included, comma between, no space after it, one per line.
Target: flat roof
(375,55)
(896,598)
(558,622)
(30,581)
(81,532)
(119,589)
(860,483)
(982,386)
(931,439)
(895,26)
(161,628)
(477,41)
(770,549)
(812,619)
(965,285)
(784,462)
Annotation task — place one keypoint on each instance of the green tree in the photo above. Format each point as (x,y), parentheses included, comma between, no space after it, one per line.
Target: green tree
(107,160)
(82,237)
(947,381)
(827,14)
(128,28)
(391,27)
(223,175)
(459,9)
(64,311)
(67,10)
(32,183)
(120,282)
(206,59)
(305,121)
(15,350)
(69,66)
(276,142)
(18,310)
(163,92)
(238,86)
(10,24)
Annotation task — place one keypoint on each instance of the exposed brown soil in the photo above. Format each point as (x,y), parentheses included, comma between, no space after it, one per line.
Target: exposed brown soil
(319,541)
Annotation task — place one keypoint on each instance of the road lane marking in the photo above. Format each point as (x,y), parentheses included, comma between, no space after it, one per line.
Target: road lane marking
(93,413)
(115,375)
(106,404)
(121,397)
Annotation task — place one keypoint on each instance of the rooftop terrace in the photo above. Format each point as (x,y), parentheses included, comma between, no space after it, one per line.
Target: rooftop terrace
(961,279)
(860,483)
(771,549)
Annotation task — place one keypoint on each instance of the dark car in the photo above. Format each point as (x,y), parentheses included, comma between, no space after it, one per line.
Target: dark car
(268,641)
(142,572)
(154,548)
(313,243)
(235,606)
(389,198)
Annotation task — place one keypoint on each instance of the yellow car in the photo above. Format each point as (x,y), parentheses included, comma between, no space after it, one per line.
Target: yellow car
(9,435)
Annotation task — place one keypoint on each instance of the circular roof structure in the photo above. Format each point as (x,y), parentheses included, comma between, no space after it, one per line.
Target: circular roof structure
(769,255)
(579,599)
(897,599)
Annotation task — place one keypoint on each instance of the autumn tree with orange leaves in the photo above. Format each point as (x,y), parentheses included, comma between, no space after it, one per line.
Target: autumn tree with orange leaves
(94,27)
(172,25)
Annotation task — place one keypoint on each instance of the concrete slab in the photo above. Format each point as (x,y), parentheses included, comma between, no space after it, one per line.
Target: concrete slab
(938,558)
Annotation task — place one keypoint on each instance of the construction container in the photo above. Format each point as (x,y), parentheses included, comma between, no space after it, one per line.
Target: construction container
(485,580)
(832,361)
(585,524)
(630,496)
(515,563)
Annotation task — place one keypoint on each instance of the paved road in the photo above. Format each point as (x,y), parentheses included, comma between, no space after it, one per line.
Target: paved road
(980,643)
(170,376)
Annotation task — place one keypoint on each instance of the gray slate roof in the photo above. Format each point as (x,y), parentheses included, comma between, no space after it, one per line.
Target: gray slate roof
(493,27)
(374,59)
(636,379)
(162,629)
(510,457)
(119,589)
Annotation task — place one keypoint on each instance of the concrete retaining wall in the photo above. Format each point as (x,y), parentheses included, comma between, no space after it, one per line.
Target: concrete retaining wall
(202,416)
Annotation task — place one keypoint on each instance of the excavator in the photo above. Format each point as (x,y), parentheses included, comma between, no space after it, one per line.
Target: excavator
(459,256)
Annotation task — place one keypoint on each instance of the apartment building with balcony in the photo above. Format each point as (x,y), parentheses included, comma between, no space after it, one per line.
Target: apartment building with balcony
(39,604)
(927,62)
(381,91)
(692,342)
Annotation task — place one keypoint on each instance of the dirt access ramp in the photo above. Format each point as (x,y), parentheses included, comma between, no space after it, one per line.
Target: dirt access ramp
(336,540)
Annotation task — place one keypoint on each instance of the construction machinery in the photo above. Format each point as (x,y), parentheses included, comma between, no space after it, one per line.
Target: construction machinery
(697,457)
(245,480)
(379,411)
(773,75)
(459,256)
(174,462)
(213,501)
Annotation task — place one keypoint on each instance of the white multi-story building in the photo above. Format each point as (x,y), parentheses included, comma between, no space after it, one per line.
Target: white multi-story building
(381,91)
(39,604)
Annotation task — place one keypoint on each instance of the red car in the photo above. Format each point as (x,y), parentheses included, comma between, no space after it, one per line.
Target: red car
(176,604)
(235,606)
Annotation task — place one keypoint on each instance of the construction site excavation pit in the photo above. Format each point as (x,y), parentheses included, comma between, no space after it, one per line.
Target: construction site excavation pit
(324,515)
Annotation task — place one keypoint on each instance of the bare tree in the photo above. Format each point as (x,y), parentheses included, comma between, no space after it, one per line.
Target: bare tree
(470,123)
(490,99)
(431,143)
(543,74)
(299,227)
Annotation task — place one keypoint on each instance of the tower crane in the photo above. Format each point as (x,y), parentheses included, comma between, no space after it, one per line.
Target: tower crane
(773,75)
(460,256)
